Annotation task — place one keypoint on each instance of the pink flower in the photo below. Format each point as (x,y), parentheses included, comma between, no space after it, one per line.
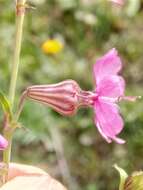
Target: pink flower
(66,97)
(110,88)
(120,2)
(3,143)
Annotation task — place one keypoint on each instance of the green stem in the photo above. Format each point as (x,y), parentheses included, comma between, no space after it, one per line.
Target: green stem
(20,106)
(7,154)
(16,58)
(20,13)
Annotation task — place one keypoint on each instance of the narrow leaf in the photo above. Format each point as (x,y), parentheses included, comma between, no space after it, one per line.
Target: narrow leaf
(5,105)
(123,176)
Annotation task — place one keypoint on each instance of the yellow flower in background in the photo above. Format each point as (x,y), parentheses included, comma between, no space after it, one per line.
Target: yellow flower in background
(52,46)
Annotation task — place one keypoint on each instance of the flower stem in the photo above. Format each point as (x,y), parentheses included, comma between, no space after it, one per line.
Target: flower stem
(8,131)
(18,38)
(20,106)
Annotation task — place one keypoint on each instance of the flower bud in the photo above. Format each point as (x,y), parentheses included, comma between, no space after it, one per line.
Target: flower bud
(134,182)
(3,143)
(64,97)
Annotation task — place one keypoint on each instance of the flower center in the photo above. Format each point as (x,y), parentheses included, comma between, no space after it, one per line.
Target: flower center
(86,98)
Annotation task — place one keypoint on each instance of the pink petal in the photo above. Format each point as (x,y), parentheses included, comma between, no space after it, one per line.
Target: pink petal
(111,86)
(3,143)
(109,64)
(120,2)
(108,121)
(119,140)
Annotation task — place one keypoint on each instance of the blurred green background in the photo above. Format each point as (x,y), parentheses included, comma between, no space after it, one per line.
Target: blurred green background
(71,149)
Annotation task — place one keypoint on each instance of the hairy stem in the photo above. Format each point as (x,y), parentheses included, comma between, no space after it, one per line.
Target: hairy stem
(18,38)
(8,132)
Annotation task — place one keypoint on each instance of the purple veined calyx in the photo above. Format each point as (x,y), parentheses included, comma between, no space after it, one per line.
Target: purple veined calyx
(67,96)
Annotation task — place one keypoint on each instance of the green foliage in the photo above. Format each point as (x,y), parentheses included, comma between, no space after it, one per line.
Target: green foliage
(5,105)
(87,29)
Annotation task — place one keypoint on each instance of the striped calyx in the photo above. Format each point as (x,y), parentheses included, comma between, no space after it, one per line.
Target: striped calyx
(64,97)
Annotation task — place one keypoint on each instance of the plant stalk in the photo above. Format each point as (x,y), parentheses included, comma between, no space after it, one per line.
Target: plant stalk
(18,39)
(8,131)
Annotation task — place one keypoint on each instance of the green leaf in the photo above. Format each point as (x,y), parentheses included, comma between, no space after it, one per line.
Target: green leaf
(5,105)
(123,176)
